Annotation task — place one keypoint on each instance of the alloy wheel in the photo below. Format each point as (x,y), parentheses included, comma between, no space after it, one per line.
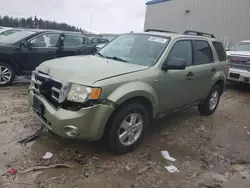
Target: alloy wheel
(214,100)
(5,75)
(131,129)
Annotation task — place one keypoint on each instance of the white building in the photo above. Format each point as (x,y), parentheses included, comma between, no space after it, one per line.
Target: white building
(228,20)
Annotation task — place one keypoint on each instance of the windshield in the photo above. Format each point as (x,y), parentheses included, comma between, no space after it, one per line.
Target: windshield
(243,46)
(16,37)
(137,49)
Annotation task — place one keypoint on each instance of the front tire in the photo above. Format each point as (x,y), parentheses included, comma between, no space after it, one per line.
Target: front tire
(7,74)
(128,127)
(212,101)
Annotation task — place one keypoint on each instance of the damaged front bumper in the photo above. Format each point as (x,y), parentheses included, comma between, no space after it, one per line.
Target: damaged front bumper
(87,123)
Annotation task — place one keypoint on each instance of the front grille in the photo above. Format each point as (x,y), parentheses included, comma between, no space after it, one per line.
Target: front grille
(46,86)
(236,66)
(239,62)
(40,77)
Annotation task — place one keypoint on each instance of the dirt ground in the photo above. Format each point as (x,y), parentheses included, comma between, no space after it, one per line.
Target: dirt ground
(210,152)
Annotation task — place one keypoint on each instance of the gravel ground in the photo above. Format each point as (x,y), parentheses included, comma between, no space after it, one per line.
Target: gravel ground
(210,152)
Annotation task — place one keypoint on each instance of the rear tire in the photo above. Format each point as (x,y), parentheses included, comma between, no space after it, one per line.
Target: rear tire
(7,74)
(128,127)
(212,101)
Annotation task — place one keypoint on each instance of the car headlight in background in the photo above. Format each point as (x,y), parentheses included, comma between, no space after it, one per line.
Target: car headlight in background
(80,93)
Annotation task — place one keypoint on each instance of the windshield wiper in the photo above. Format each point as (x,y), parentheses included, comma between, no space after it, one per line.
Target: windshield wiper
(98,53)
(116,58)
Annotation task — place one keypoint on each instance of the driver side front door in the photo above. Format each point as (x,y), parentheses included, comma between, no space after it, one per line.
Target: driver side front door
(176,85)
(40,48)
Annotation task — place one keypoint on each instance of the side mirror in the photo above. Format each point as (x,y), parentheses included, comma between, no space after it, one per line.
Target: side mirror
(175,64)
(227,49)
(25,44)
(94,49)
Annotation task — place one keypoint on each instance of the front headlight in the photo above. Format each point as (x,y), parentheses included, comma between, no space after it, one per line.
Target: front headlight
(80,93)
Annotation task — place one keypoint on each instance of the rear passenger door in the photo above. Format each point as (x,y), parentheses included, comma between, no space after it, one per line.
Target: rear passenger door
(74,45)
(203,68)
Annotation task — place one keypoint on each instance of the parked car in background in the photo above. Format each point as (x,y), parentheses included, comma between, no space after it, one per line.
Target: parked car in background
(9,31)
(99,46)
(109,37)
(98,40)
(239,62)
(23,51)
(135,78)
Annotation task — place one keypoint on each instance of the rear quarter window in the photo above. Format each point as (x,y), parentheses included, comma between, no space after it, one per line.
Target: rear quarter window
(220,51)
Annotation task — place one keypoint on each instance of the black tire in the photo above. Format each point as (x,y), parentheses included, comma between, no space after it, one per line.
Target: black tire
(2,64)
(112,136)
(204,108)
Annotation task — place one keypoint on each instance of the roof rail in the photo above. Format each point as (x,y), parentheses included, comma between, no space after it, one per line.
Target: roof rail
(190,32)
(158,30)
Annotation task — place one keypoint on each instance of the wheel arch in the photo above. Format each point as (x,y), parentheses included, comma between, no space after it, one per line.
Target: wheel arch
(137,92)
(10,63)
(221,83)
(137,99)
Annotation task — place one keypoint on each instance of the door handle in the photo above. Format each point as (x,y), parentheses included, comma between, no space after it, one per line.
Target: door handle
(78,51)
(190,75)
(213,69)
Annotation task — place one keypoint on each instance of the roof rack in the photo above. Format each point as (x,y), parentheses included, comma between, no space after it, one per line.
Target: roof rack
(190,32)
(158,30)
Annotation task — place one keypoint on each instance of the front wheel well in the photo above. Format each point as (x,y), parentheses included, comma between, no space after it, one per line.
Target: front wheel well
(221,84)
(142,100)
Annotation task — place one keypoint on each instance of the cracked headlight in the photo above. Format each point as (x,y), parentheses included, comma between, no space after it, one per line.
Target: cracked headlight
(80,93)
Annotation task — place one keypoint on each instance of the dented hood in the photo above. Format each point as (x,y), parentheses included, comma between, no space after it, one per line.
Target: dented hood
(86,70)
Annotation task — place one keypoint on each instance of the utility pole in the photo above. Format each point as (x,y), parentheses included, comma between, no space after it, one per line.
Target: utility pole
(90,24)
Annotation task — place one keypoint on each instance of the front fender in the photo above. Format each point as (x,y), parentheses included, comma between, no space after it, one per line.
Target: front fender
(135,89)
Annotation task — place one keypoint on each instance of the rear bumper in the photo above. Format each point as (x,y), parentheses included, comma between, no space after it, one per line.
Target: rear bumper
(239,75)
(90,122)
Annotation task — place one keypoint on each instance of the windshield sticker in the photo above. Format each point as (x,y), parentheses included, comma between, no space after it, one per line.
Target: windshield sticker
(157,39)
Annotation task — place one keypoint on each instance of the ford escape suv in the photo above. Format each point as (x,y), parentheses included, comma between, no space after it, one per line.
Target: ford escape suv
(137,77)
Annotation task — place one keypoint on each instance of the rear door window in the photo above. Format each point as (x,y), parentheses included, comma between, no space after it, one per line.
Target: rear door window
(73,41)
(103,40)
(95,40)
(220,51)
(202,52)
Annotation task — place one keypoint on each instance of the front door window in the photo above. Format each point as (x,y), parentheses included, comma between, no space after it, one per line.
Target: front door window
(46,40)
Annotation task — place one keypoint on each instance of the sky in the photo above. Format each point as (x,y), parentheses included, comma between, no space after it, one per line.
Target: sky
(108,16)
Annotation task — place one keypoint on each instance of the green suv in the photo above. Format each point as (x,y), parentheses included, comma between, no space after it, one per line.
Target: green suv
(116,93)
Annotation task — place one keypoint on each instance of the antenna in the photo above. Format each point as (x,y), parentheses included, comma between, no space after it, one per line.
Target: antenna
(91,12)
